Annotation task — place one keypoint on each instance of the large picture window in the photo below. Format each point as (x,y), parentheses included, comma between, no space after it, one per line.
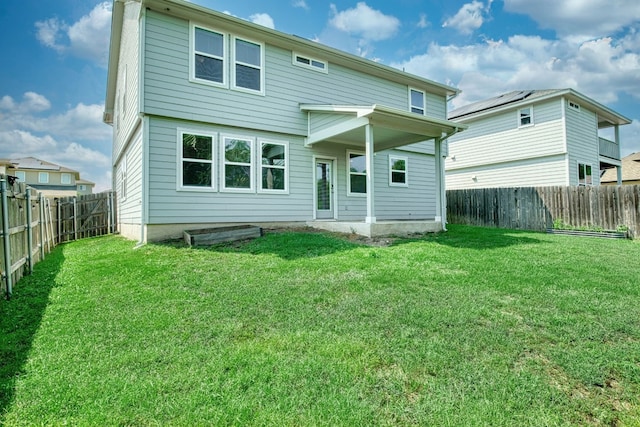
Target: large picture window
(247,68)
(273,167)
(357,173)
(398,171)
(209,55)
(196,161)
(238,165)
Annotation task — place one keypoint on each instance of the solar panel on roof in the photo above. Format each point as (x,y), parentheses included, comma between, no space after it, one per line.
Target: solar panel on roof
(504,99)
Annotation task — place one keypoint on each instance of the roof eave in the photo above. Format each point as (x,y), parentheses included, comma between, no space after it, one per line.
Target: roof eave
(117,16)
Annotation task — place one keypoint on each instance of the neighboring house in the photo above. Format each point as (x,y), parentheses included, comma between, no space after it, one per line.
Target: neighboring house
(219,121)
(630,172)
(50,179)
(533,138)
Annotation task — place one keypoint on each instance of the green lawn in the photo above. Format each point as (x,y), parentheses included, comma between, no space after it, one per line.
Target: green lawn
(471,327)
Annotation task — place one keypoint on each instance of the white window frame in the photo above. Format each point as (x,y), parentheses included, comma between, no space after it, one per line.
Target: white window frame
(311,63)
(422,107)
(224,58)
(285,144)
(584,166)
(234,62)
(224,163)
(392,159)
(43,177)
(181,159)
(65,178)
(531,122)
(349,173)
(82,187)
(21,175)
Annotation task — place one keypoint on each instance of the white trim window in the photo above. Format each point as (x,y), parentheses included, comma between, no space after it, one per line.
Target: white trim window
(237,164)
(398,171)
(208,56)
(585,174)
(196,165)
(248,65)
(65,178)
(525,117)
(21,175)
(274,168)
(43,177)
(310,63)
(123,179)
(417,101)
(357,173)
(82,187)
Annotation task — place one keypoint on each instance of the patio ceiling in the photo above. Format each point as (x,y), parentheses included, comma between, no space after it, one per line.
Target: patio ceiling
(391,127)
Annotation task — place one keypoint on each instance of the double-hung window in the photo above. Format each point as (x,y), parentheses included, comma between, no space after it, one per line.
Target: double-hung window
(584,174)
(357,172)
(398,171)
(21,175)
(196,161)
(209,53)
(43,177)
(237,168)
(273,167)
(417,101)
(525,116)
(65,178)
(248,64)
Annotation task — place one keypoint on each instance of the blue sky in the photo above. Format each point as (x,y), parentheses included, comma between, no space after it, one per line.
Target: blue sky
(53,73)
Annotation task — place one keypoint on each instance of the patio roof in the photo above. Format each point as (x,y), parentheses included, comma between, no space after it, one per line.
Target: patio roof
(391,127)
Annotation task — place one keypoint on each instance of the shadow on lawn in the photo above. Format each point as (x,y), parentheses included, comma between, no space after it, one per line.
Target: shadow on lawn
(481,238)
(19,321)
(289,245)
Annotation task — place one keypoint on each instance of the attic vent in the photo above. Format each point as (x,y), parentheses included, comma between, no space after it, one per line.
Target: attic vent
(574,105)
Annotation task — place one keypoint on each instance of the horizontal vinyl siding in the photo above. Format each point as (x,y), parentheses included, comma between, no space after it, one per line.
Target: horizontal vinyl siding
(169,93)
(526,173)
(125,118)
(130,209)
(582,142)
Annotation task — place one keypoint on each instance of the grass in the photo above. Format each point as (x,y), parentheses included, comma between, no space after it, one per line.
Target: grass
(471,327)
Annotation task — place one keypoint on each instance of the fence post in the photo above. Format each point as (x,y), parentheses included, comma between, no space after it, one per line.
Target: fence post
(75,218)
(59,221)
(29,231)
(42,224)
(6,236)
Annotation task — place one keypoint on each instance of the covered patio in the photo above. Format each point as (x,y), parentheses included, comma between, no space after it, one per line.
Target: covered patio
(375,128)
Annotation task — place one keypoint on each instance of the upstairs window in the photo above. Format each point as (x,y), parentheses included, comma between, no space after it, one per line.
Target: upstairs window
(525,116)
(311,63)
(357,173)
(417,102)
(398,171)
(584,174)
(43,177)
(209,55)
(248,65)
(196,153)
(65,178)
(22,177)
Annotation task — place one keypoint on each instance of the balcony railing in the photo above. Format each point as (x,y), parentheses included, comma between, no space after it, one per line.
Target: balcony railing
(609,149)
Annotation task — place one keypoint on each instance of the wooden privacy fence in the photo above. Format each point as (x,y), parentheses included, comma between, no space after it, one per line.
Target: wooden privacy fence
(86,216)
(27,231)
(537,208)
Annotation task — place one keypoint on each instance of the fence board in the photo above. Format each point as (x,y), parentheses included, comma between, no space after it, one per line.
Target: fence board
(536,208)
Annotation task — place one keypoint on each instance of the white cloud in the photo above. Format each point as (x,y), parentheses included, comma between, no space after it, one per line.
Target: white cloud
(423,23)
(87,38)
(262,19)
(579,20)
(302,4)
(75,138)
(469,18)
(364,22)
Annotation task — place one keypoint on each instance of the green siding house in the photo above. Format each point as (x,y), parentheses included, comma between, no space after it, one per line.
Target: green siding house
(219,121)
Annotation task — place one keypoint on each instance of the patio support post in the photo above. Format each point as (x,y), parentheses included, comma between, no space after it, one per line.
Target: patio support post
(368,130)
(441,196)
(619,167)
